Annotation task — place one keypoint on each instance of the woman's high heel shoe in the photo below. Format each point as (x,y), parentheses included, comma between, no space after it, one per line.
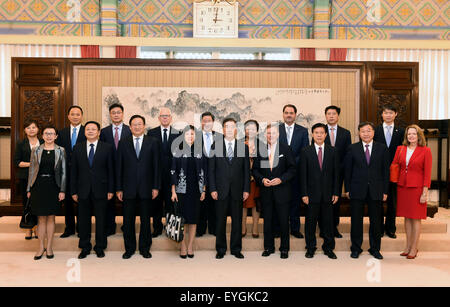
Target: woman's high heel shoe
(39,257)
(412,257)
(404,254)
(50,256)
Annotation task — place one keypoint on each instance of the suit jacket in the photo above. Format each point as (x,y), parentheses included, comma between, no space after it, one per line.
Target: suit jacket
(179,170)
(227,177)
(106,134)
(138,176)
(418,172)
(320,185)
(396,140)
(99,178)
(343,140)
(361,178)
(165,151)
(22,154)
(299,139)
(284,168)
(60,167)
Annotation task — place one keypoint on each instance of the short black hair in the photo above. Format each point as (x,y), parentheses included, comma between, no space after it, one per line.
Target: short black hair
(115,105)
(319,125)
(73,107)
(252,121)
(136,116)
(290,106)
(207,114)
(228,119)
(50,127)
(390,107)
(93,122)
(363,124)
(338,110)
(30,122)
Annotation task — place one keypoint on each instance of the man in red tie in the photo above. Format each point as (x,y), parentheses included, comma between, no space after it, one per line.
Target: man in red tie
(366,182)
(320,189)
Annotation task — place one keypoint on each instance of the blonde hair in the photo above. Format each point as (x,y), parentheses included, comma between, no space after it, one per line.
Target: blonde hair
(421,140)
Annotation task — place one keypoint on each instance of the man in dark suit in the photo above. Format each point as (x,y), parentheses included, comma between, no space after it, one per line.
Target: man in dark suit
(339,138)
(273,169)
(229,183)
(68,138)
(392,136)
(296,137)
(92,185)
(207,137)
(366,181)
(165,134)
(320,189)
(112,134)
(138,180)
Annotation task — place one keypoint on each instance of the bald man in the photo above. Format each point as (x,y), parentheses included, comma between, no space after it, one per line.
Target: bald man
(165,134)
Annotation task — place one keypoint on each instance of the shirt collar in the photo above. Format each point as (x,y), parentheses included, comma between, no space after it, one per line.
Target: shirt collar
(162,129)
(292,126)
(335,127)
(89,143)
(78,127)
(317,146)
(385,125)
(140,137)
(370,144)
(118,126)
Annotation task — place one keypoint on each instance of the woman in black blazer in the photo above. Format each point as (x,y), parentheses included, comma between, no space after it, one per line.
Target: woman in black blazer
(22,160)
(188,186)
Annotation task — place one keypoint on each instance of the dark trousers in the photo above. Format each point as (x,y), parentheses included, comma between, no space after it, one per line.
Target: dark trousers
(111,216)
(145,207)
(270,207)
(162,205)
(222,207)
(391,212)
(357,216)
(85,208)
(207,216)
(319,211)
(69,214)
(294,211)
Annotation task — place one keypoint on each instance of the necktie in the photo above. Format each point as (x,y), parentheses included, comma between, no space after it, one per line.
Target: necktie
(165,137)
(208,142)
(388,135)
(289,136)
(91,155)
(271,157)
(230,151)
(367,155)
(116,137)
(74,137)
(138,147)
(319,155)
(332,137)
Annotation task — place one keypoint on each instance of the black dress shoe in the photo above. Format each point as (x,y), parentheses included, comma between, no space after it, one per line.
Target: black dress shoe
(391,235)
(321,235)
(100,253)
(309,254)
(83,254)
(127,255)
(330,254)
(276,235)
(198,235)
(238,255)
(284,255)
(146,255)
(156,234)
(219,255)
(267,253)
(376,254)
(355,254)
(297,234)
(67,234)
(110,233)
(337,234)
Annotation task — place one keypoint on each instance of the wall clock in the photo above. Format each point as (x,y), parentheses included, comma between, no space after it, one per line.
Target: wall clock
(216,19)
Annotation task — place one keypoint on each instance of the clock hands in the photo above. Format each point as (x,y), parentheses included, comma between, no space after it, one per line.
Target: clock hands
(215,18)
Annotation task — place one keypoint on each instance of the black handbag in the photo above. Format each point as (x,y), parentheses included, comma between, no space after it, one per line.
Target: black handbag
(175,224)
(28,220)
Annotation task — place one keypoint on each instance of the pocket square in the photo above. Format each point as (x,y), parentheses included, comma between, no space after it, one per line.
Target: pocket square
(280,156)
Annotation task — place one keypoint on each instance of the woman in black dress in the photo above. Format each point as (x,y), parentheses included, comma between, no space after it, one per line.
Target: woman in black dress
(22,161)
(46,187)
(188,187)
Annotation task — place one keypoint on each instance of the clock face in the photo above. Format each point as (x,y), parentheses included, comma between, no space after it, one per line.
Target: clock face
(216,20)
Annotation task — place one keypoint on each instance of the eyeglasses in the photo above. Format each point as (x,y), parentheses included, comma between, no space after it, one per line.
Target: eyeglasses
(164,116)
(49,133)
(116,113)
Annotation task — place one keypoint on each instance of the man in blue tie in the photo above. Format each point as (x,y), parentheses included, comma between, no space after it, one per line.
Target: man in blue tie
(68,138)
(92,185)
(392,135)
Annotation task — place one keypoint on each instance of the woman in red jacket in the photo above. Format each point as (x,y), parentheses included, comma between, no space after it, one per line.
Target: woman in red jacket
(414,160)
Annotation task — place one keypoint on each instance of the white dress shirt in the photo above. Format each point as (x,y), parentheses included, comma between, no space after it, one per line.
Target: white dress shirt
(227,143)
(162,133)
(370,147)
(211,141)
(409,153)
(291,133)
(88,147)
(334,131)
(385,129)
(118,131)
(270,147)
(317,149)
(141,138)
(71,130)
